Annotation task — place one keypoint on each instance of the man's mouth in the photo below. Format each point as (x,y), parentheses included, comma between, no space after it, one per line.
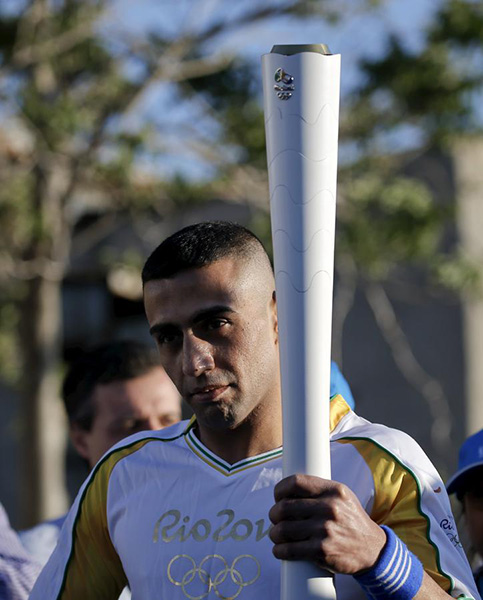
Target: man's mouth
(208,393)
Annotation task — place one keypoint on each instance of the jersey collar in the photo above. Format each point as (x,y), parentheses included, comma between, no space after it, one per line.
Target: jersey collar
(338,409)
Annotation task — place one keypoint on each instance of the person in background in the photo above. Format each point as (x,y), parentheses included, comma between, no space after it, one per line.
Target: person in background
(339,385)
(110,392)
(18,570)
(467,484)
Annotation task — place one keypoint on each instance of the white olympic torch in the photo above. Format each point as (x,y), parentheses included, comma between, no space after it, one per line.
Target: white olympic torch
(301,103)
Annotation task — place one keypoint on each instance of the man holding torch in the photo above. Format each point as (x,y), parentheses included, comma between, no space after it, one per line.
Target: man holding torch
(185,512)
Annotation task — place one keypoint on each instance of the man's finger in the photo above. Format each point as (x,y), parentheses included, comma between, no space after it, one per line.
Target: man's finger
(300,486)
(292,531)
(301,550)
(296,509)
(309,486)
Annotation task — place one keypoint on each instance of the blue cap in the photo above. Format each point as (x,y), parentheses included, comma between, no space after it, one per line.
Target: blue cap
(339,385)
(470,457)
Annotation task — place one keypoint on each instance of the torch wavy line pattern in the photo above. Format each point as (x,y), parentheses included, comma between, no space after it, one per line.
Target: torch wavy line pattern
(303,291)
(301,251)
(296,152)
(282,185)
(326,106)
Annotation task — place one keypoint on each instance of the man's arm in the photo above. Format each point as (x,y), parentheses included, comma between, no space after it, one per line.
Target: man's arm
(85,563)
(323,521)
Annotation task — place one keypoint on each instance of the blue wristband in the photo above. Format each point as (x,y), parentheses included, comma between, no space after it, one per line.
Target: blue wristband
(398,573)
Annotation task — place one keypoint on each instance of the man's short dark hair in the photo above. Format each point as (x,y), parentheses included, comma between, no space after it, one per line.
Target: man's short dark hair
(103,364)
(200,245)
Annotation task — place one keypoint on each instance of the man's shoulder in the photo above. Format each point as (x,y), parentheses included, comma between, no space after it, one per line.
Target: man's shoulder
(168,434)
(398,444)
(129,447)
(125,461)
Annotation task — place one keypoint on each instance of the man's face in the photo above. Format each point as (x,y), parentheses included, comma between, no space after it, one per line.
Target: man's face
(216,331)
(121,408)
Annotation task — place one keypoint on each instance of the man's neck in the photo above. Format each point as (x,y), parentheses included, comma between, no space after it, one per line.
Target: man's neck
(256,435)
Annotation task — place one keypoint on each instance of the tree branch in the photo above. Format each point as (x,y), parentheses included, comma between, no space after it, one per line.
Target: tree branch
(47,50)
(175,71)
(419,379)
(343,301)
(26,270)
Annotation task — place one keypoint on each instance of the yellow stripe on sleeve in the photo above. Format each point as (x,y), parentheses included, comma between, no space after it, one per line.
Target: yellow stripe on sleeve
(397,504)
(338,410)
(94,569)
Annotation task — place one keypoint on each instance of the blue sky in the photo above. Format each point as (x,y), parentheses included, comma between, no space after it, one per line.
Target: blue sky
(358,34)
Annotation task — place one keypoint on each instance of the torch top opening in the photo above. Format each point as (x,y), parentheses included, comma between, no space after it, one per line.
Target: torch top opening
(290,49)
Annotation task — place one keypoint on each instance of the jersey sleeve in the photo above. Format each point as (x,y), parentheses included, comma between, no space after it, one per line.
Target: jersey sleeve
(410,498)
(85,563)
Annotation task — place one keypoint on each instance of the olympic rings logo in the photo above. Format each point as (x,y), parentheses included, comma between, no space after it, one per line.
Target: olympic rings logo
(214,573)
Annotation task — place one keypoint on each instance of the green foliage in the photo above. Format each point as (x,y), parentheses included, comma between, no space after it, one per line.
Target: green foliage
(72,103)
(426,89)
(10,363)
(56,119)
(386,222)
(233,95)
(184,193)
(433,88)
(245,126)
(116,174)
(459,23)
(8,34)
(129,258)
(18,220)
(458,273)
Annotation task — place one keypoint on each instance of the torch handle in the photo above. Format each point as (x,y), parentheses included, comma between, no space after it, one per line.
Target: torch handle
(301,101)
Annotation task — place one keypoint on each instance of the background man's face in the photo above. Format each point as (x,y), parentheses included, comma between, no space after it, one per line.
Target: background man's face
(215,328)
(121,408)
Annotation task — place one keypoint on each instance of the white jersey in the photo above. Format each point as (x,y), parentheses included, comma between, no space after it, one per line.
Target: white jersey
(162,513)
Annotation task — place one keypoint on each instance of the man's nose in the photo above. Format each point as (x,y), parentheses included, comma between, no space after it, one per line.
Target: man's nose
(197,356)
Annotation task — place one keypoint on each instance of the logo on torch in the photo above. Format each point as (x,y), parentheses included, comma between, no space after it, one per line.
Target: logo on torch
(284,84)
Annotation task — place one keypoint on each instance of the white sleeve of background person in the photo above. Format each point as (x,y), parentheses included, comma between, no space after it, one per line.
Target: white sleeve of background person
(301,101)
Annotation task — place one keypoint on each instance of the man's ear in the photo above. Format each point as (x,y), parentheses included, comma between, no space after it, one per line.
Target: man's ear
(79,439)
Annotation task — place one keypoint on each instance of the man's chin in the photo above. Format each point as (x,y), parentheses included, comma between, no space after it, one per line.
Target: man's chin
(217,416)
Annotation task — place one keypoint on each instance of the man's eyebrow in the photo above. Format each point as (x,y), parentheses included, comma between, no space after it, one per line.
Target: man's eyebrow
(161,327)
(205,313)
(127,417)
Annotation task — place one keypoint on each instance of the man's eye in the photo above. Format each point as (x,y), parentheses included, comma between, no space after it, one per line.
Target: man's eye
(166,338)
(127,425)
(169,420)
(216,323)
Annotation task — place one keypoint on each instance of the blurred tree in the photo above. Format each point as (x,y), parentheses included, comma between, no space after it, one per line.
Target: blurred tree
(74,99)
(75,95)
(409,102)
